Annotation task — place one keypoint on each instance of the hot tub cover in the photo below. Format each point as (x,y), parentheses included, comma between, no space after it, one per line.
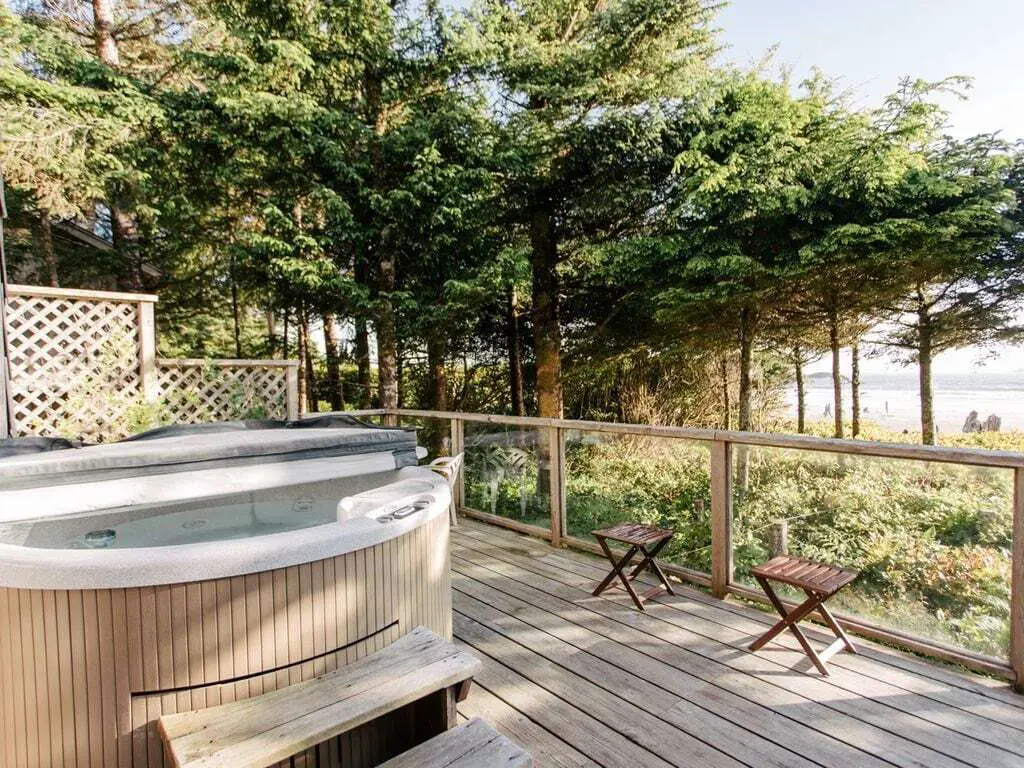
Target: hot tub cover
(187,447)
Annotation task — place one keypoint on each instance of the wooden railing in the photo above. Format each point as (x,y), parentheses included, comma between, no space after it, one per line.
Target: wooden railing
(721,579)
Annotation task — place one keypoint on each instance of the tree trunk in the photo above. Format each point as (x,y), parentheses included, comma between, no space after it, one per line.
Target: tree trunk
(122,226)
(747,322)
(284,341)
(122,222)
(515,354)
(362,351)
(726,405)
(437,347)
(387,335)
(46,247)
(362,342)
(837,376)
(387,338)
(312,395)
(236,319)
(303,378)
(855,387)
(334,384)
(271,333)
(103,33)
(801,393)
(924,361)
(399,372)
(547,332)
(387,355)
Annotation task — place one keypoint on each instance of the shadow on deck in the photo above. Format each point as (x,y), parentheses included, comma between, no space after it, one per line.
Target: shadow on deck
(584,681)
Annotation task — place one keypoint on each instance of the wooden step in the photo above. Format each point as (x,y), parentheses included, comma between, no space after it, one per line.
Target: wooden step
(265,729)
(472,745)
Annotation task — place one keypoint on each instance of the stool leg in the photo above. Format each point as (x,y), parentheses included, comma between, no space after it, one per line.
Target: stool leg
(617,570)
(826,614)
(789,621)
(649,559)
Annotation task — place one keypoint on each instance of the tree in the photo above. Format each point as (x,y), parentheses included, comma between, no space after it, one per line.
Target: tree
(59,136)
(565,77)
(746,203)
(961,258)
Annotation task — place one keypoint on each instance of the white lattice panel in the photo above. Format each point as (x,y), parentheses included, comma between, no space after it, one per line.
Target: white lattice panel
(195,392)
(74,365)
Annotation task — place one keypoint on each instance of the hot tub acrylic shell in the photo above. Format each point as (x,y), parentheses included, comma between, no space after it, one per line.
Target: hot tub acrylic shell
(92,653)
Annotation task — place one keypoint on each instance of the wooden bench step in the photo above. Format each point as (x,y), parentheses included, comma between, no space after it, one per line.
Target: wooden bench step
(472,745)
(256,732)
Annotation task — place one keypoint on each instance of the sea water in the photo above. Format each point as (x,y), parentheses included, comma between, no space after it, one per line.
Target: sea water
(892,399)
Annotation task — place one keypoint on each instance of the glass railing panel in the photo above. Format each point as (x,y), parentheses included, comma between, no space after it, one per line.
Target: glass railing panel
(614,477)
(932,540)
(507,472)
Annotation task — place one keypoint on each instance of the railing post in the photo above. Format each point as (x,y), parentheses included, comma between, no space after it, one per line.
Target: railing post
(1017,581)
(556,450)
(458,445)
(146,320)
(291,381)
(721,517)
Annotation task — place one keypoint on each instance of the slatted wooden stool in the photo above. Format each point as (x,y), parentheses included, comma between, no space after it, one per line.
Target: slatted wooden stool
(646,539)
(820,582)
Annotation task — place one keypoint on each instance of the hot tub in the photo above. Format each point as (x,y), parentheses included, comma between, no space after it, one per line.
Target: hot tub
(188,570)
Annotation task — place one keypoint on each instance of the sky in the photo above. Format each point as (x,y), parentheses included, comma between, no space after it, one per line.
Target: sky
(870,44)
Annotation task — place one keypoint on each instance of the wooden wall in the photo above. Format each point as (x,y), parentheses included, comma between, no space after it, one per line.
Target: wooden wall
(85,674)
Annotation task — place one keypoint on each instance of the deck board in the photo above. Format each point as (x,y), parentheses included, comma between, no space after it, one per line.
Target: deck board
(579,680)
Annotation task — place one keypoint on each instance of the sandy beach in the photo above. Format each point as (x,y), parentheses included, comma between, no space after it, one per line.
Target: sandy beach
(892,399)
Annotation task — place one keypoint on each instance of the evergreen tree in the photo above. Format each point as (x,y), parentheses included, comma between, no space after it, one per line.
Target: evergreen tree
(567,78)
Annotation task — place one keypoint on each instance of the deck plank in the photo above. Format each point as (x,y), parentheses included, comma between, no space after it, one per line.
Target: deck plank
(547,748)
(973,693)
(779,669)
(738,631)
(526,609)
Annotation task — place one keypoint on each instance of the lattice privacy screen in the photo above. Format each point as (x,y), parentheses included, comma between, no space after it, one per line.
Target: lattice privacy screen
(83,365)
(195,392)
(74,364)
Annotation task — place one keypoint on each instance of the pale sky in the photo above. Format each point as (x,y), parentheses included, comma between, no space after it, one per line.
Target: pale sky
(870,44)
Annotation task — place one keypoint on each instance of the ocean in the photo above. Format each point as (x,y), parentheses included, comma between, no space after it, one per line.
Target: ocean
(891,399)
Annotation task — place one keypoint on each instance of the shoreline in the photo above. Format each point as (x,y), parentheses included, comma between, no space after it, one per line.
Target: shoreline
(892,400)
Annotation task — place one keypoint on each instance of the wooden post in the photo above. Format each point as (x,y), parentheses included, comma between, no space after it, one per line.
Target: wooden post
(556,449)
(1017,581)
(780,537)
(292,405)
(459,446)
(721,517)
(147,351)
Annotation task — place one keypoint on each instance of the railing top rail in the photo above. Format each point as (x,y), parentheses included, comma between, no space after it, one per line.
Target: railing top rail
(188,362)
(971,456)
(76,293)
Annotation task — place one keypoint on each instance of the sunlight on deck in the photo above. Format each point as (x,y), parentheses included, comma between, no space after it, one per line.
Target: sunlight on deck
(584,681)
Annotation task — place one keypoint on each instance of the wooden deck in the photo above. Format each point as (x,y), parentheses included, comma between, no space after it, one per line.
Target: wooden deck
(584,681)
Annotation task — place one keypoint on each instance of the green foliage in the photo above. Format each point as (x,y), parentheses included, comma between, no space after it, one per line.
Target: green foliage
(932,541)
